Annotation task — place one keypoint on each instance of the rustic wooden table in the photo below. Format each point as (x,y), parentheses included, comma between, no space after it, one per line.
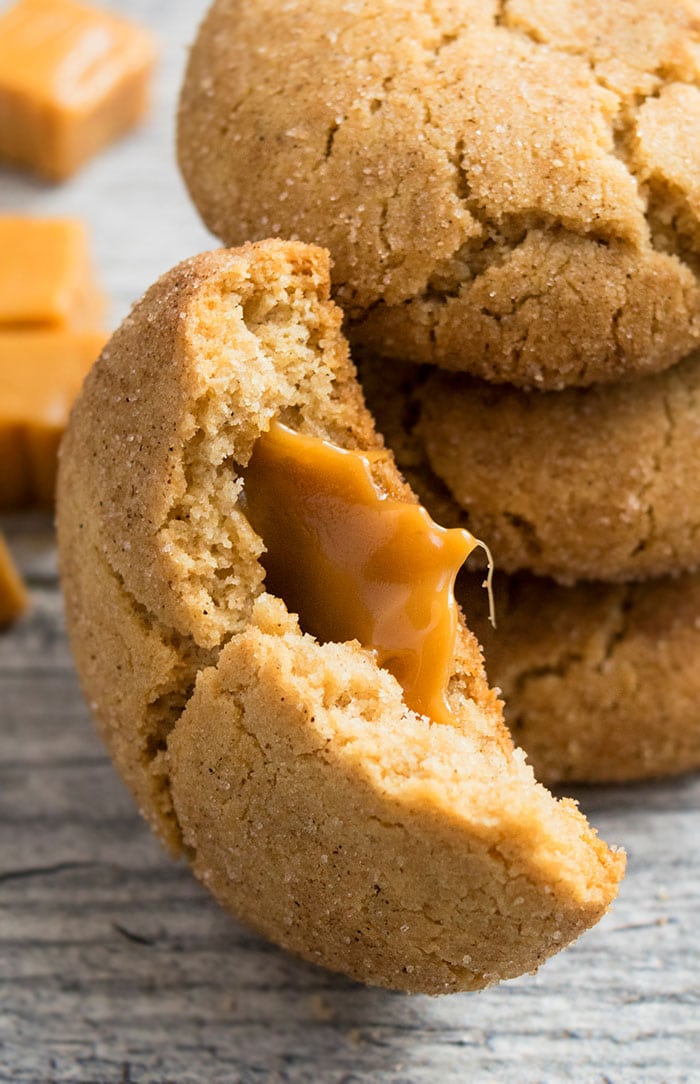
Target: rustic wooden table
(114,964)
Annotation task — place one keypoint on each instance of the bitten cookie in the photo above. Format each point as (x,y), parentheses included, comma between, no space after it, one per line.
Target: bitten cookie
(313,803)
(594,483)
(509,188)
(601,681)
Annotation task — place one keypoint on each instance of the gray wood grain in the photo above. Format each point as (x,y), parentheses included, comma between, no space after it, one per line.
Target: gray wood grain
(116,967)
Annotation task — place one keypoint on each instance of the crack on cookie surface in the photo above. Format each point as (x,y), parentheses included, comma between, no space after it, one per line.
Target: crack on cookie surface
(647,495)
(600,718)
(665,236)
(597,655)
(163,708)
(673,225)
(330,138)
(519,685)
(626,598)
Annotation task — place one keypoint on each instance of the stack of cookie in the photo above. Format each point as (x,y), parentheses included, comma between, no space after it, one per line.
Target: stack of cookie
(511,195)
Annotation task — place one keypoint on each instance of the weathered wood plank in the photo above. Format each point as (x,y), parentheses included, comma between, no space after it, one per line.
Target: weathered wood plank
(115,965)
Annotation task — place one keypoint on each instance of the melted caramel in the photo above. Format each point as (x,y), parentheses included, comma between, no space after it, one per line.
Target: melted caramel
(355,564)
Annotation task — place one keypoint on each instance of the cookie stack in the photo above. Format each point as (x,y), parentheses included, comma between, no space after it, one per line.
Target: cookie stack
(510,194)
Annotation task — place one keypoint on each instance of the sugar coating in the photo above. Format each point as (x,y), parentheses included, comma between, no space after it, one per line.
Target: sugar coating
(507,188)
(304,793)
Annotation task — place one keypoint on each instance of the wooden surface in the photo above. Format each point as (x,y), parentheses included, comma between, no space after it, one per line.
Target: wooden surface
(115,966)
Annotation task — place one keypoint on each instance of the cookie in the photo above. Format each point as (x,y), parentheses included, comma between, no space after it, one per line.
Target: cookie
(509,189)
(601,681)
(596,483)
(306,795)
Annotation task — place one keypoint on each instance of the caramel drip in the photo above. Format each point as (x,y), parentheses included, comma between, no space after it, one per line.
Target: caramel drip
(355,564)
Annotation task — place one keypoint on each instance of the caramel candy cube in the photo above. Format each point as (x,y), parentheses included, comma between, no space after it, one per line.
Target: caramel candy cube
(72,79)
(46,278)
(13,593)
(40,375)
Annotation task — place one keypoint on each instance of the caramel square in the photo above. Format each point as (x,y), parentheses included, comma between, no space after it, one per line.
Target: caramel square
(41,373)
(46,277)
(73,78)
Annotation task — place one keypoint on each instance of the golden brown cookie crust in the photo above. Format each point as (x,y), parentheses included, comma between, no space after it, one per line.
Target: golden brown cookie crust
(596,483)
(247,742)
(601,681)
(507,188)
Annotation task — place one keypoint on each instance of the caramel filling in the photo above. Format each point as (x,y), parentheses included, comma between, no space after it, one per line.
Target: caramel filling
(355,564)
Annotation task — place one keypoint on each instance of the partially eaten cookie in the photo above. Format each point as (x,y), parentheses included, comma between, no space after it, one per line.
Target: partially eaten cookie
(310,790)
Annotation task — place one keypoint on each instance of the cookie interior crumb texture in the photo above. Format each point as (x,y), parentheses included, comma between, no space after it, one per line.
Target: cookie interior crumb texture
(508,187)
(310,800)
